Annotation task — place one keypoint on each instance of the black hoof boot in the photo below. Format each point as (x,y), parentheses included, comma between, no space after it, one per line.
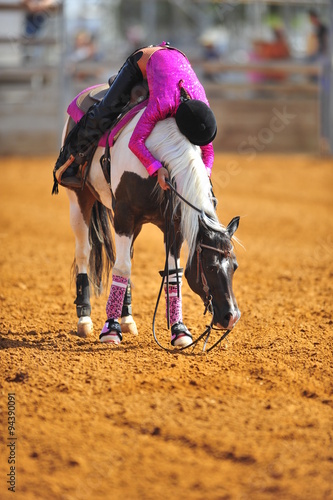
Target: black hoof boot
(180,336)
(111,332)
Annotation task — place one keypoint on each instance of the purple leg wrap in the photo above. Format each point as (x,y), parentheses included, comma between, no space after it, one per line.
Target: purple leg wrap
(116,298)
(175,304)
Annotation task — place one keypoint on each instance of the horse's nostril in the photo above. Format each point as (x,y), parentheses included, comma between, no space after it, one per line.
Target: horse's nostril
(230,320)
(228,317)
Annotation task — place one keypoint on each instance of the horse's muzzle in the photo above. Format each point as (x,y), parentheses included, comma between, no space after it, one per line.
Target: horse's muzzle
(229,320)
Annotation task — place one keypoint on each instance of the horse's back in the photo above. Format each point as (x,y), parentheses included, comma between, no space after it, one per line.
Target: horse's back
(122,158)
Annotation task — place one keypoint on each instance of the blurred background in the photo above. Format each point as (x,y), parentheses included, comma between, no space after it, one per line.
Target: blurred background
(266,65)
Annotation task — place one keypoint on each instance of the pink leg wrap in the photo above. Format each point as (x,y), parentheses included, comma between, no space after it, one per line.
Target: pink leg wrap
(116,298)
(175,304)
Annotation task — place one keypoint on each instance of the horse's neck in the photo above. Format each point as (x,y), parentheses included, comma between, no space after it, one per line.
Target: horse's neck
(190,178)
(186,168)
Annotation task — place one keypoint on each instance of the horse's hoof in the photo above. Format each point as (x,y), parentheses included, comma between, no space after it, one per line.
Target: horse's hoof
(180,336)
(111,338)
(111,332)
(182,341)
(85,327)
(128,325)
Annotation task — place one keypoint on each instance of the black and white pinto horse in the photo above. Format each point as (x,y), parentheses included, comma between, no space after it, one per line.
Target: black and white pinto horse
(138,199)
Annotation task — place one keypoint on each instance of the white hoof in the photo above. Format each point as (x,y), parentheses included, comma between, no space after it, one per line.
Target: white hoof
(111,338)
(128,325)
(183,341)
(85,326)
(111,333)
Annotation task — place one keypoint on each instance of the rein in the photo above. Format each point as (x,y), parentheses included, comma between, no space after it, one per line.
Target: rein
(208,302)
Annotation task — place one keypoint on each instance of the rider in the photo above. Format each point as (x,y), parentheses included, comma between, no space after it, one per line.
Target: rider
(174,90)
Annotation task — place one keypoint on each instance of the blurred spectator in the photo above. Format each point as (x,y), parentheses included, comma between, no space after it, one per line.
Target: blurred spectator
(318,53)
(85,50)
(135,35)
(278,49)
(214,43)
(210,53)
(35,19)
(36,15)
(85,47)
(318,40)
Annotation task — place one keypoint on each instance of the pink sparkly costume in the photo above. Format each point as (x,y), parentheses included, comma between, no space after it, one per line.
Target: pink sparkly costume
(165,70)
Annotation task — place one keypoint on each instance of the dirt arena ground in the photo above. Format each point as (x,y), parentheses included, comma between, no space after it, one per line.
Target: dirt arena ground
(250,421)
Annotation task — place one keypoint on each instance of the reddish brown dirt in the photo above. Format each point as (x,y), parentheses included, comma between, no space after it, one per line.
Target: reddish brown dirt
(251,421)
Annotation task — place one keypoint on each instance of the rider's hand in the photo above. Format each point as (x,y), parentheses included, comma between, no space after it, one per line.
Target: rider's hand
(162,176)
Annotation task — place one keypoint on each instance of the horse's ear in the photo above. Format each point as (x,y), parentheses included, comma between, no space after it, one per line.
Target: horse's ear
(233,226)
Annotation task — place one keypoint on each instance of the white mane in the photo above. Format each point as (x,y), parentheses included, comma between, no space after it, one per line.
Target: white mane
(188,172)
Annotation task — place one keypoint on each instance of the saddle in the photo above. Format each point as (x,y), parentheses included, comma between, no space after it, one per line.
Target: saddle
(87,98)
(90,96)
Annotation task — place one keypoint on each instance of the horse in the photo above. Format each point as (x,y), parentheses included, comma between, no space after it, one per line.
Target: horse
(133,198)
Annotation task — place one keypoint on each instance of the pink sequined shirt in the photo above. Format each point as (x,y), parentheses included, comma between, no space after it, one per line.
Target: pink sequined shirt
(165,69)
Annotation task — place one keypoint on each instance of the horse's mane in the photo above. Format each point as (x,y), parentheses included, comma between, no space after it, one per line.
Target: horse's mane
(189,175)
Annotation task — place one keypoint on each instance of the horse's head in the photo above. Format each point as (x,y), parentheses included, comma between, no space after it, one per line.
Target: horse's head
(210,273)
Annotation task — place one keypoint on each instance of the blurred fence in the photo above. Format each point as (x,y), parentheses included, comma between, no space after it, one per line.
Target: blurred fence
(253,114)
(31,79)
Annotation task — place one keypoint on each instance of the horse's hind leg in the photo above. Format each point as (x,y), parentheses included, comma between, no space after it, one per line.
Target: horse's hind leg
(80,229)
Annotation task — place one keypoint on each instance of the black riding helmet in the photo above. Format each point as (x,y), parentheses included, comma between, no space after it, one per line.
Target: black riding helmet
(196,121)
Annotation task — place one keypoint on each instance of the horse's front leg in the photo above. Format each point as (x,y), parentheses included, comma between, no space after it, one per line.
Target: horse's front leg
(127,322)
(119,299)
(180,336)
(79,224)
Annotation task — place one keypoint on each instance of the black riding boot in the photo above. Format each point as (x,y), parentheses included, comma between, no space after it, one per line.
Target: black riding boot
(82,140)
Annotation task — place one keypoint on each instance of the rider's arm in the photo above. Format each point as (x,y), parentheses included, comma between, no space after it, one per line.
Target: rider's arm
(141,133)
(152,114)
(208,157)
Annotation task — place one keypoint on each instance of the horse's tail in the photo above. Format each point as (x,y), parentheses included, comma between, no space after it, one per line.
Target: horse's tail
(102,255)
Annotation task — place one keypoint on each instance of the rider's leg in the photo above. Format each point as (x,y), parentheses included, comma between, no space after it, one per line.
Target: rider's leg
(92,126)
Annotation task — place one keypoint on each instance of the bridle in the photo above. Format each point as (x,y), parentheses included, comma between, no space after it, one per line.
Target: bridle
(208,301)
